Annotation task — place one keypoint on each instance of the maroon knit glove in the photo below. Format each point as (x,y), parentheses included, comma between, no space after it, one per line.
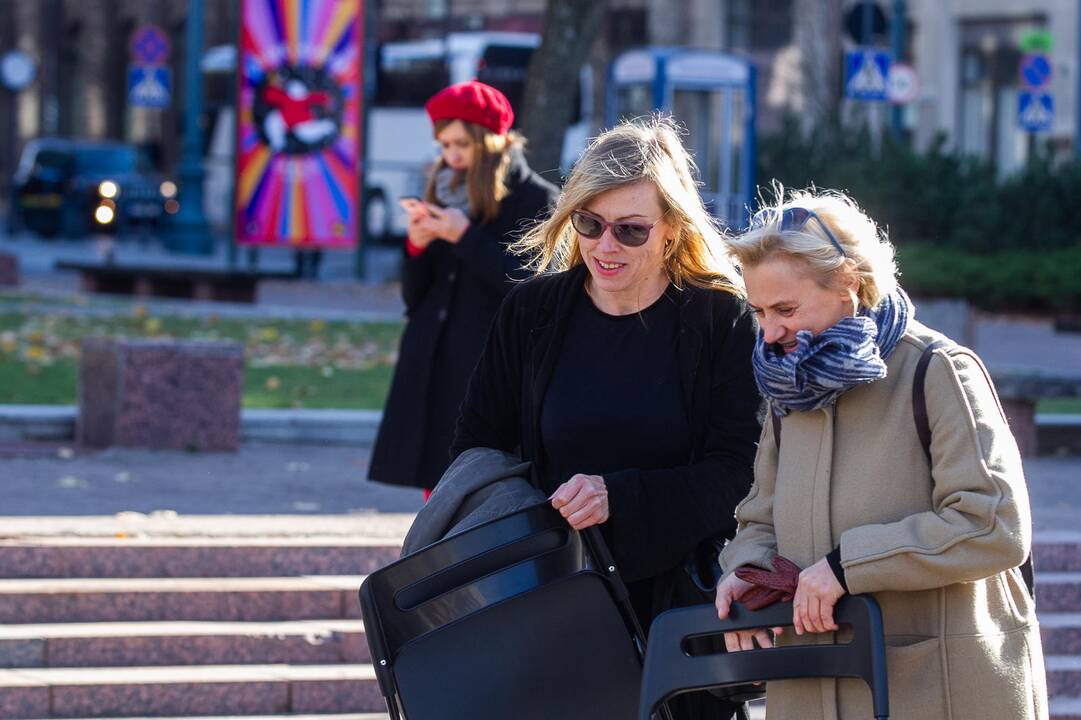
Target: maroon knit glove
(770,586)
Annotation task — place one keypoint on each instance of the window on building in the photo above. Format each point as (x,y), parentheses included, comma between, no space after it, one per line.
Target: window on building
(436,9)
(989,87)
(752,25)
(409,81)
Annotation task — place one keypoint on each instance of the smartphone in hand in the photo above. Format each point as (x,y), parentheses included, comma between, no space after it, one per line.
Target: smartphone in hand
(414,206)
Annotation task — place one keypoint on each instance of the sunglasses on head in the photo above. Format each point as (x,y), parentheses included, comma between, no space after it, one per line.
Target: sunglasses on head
(794,219)
(631,234)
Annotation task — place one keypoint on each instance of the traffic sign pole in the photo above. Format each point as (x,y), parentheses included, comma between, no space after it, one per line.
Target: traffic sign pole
(190,232)
(897,35)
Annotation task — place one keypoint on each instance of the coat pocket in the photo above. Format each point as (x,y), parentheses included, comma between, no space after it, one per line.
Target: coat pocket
(997,675)
(917,682)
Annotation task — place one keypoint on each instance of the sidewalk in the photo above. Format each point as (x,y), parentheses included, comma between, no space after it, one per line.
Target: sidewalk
(54,480)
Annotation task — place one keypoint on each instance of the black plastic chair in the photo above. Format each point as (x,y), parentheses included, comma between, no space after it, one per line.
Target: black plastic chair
(521,617)
(670,670)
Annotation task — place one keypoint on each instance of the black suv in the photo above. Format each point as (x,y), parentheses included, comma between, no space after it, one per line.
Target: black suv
(74,187)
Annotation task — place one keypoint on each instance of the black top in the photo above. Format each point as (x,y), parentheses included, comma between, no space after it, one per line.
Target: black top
(657,515)
(614,399)
(451,293)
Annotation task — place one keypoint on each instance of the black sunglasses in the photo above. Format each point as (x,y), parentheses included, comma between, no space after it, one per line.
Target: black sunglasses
(794,219)
(631,234)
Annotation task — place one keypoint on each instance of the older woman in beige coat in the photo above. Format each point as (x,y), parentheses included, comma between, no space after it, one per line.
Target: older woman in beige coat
(848,492)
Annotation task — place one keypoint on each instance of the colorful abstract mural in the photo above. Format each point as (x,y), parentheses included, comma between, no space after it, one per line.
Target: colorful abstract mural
(299,123)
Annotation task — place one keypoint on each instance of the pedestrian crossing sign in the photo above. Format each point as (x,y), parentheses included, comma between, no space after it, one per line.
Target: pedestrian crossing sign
(1035,111)
(866,72)
(149,86)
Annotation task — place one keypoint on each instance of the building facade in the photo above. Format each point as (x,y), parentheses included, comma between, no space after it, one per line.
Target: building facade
(966,53)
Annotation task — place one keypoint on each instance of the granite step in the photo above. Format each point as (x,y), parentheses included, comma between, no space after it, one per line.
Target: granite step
(1066,708)
(333,716)
(186,557)
(1058,592)
(218,690)
(321,642)
(156,599)
(1061,633)
(1063,675)
(1057,551)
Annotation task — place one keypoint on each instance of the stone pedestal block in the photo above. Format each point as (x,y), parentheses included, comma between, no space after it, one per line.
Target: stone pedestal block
(160,394)
(9,270)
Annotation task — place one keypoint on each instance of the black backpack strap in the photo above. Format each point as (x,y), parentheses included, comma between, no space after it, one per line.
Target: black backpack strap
(919,399)
(923,430)
(775,422)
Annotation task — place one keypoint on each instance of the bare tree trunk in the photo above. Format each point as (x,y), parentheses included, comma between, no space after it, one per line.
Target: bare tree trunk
(818,34)
(569,29)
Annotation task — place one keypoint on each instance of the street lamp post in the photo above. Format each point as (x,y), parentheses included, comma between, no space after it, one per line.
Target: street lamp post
(190,233)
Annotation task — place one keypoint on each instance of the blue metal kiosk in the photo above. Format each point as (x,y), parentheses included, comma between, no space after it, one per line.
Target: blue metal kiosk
(713,94)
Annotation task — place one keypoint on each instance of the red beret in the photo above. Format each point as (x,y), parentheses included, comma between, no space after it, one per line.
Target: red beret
(473,102)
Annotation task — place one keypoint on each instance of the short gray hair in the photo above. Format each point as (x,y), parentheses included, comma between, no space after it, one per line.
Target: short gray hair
(864,243)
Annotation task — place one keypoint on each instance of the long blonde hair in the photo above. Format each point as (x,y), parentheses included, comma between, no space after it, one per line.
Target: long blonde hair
(486,178)
(642,149)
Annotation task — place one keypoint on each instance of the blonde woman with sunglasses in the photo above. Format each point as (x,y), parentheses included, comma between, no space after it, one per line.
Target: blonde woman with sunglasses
(887,468)
(622,371)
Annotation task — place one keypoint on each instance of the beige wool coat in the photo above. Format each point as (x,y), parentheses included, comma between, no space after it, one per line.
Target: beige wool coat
(938,547)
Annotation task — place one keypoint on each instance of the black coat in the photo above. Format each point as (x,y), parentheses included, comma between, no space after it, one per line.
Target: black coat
(660,521)
(451,293)
(657,517)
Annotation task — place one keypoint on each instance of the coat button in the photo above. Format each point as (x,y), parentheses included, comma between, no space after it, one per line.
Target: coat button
(442,314)
(451,275)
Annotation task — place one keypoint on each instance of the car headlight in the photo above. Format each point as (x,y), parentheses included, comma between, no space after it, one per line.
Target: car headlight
(104,214)
(168,189)
(108,189)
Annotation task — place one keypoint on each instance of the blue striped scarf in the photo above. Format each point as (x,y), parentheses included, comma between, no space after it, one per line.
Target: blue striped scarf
(850,353)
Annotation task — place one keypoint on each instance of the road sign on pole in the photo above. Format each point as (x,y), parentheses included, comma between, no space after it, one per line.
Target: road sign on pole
(150,45)
(903,84)
(1035,70)
(866,72)
(1035,111)
(149,86)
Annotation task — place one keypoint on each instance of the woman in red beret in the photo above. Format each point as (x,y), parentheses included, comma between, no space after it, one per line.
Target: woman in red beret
(481,194)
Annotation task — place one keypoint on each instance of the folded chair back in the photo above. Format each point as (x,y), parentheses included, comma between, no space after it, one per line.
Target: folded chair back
(671,670)
(521,617)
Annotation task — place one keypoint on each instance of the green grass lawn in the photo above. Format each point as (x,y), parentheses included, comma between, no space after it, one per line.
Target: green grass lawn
(1070,406)
(288,363)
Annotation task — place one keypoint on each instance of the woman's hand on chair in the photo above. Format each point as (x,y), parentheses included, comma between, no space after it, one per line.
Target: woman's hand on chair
(582,500)
(816,594)
(730,590)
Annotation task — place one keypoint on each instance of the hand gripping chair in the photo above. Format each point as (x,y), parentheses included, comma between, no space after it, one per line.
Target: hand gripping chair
(670,670)
(521,618)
